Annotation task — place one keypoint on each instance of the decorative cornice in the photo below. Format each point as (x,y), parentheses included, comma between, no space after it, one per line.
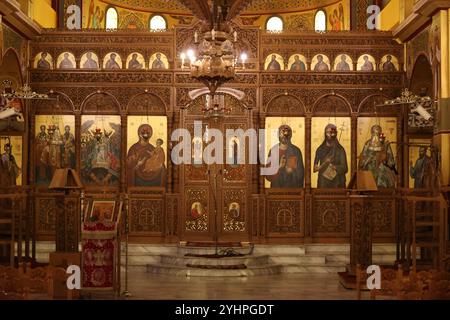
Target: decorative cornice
(17,20)
(422,14)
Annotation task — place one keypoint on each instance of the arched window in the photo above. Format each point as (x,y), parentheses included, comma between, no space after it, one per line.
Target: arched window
(274,24)
(320,21)
(158,23)
(112,18)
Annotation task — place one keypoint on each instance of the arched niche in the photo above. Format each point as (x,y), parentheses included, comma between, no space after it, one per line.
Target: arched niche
(331,105)
(60,103)
(422,76)
(285,104)
(146,103)
(100,103)
(10,68)
(371,105)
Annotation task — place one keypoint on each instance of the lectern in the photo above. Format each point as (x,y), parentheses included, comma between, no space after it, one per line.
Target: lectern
(68,218)
(363,185)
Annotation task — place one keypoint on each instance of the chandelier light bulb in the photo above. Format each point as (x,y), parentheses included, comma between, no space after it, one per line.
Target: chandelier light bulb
(190,53)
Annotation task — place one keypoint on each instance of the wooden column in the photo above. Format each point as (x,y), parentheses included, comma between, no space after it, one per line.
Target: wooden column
(354,142)
(123,164)
(361,233)
(169,183)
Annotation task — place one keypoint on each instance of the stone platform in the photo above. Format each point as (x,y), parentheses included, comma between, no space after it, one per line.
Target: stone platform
(265,259)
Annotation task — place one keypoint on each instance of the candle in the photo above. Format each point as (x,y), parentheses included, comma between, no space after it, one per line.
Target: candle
(213,34)
(183,56)
(235,35)
(243,58)
(195,37)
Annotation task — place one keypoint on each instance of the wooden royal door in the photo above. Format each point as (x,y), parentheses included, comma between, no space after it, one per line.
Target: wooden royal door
(216,197)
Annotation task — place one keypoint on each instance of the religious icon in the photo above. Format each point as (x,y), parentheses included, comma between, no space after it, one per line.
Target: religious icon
(95,16)
(320,63)
(10,161)
(331,161)
(100,150)
(336,19)
(274,62)
(89,61)
(159,61)
(290,172)
(146,162)
(422,170)
(102,210)
(233,151)
(389,63)
(297,63)
(377,156)
(234,210)
(197,151)
(136,61)
(43,61)
(366,63)
(112,61)
(343,63)
(53,149)
(66,60)
(196,210)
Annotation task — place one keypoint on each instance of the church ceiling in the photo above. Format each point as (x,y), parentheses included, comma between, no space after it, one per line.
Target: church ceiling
(200,7)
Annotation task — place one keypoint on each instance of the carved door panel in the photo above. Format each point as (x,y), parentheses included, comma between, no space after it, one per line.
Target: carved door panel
(216,195)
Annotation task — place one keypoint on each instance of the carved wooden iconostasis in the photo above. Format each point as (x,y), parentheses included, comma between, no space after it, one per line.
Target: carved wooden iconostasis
(107,103)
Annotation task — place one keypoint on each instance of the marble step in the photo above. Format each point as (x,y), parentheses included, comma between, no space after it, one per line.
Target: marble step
(197,272)
(225,261)
(298,259)
(183,250)
(279,249)
(344,249)
(331,268)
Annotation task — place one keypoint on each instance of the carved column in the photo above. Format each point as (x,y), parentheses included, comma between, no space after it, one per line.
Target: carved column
(361,233)
(176,168)
(78,139)
(255,168)
(32,157)
(169,183)
(354,144)
(262,125)
(307,160)
(124,126)
(308,196)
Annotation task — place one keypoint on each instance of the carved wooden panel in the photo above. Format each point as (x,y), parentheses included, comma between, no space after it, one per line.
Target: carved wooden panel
(330,217)
(173,206)
(197,210)
(60,103)
(284,217)
(122,76)
(146,216)
(146,103)
(361,236)
(101,103)
(233,172)
(383,213)
(196,172)
(332,104)
(45,215)
(234,216)
(286,104)
(360,79)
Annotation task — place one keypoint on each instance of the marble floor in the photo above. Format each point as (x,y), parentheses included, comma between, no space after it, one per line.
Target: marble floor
(277,287)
